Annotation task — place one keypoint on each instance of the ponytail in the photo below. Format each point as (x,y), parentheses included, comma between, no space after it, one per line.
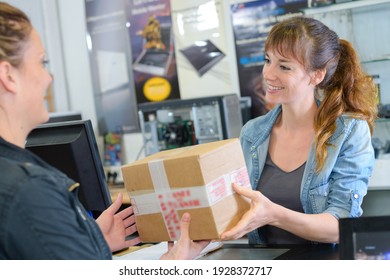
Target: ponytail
(348,91)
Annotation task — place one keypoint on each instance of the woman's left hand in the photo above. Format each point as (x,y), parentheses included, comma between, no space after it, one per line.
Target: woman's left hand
(116,227)
(259,214)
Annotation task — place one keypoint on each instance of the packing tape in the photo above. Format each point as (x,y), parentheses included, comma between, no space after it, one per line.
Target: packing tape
(168,201)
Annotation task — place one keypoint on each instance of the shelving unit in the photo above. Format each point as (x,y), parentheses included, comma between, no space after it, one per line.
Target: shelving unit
(364,23)
(343,6)
(383,59)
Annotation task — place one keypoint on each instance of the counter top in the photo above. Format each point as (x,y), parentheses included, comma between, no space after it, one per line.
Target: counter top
(116,189)
(234,251)
(274,252)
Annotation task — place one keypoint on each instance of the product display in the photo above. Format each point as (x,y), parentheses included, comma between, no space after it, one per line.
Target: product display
(319,3)
(171,124)
(203,55)
(196,179)
(157,51)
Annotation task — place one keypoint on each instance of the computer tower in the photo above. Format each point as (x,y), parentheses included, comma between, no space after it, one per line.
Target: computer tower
(178,123)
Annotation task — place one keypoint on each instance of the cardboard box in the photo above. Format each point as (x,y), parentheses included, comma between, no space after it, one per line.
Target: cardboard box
(195,179)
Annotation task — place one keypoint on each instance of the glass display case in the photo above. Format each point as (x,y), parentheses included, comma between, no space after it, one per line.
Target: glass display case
(380,178)
(179,123)
(381,138)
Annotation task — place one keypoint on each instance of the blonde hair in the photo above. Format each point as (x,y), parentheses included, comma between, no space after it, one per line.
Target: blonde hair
(15,28)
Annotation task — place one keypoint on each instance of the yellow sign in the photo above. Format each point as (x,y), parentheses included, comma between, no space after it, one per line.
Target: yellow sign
(157,89)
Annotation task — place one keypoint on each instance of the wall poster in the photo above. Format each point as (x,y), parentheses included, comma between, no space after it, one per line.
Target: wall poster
(251,23)
(205,63)
(109,49)
(152,50)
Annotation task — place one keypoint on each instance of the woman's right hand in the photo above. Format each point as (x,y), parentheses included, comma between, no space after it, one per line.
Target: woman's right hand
(259,214)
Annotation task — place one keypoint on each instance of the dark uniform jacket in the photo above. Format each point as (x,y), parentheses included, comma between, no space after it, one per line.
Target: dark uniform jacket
(41,216)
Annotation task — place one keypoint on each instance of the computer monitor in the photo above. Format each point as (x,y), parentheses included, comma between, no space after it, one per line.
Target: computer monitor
(365,238)
(71,147)
(64,116)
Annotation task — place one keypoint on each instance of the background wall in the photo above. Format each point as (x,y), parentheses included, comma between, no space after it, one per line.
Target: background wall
(61,25)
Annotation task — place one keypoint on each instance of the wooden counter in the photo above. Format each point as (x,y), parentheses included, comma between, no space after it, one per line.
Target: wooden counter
(116,189)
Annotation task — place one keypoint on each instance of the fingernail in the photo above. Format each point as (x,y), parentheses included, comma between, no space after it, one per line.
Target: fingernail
(186,217)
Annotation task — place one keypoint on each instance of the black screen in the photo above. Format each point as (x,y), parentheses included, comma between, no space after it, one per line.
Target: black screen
(64,117)
(371,245)
(71,147)
(365,238)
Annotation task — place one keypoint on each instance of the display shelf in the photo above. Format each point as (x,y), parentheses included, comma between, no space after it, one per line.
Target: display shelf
(363,23)
(343,6)
(379,59)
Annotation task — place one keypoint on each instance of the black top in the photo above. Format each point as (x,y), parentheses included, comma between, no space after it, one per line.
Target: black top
(284,189)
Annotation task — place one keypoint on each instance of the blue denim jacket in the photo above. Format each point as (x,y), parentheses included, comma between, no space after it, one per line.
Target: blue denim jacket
(342,183)
(41,216)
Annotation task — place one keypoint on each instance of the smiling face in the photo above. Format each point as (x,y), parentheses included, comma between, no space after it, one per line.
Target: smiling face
(33,82)
(286,80)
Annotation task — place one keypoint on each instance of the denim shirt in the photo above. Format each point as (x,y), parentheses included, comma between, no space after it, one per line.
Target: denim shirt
(339,188)
(41,216)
